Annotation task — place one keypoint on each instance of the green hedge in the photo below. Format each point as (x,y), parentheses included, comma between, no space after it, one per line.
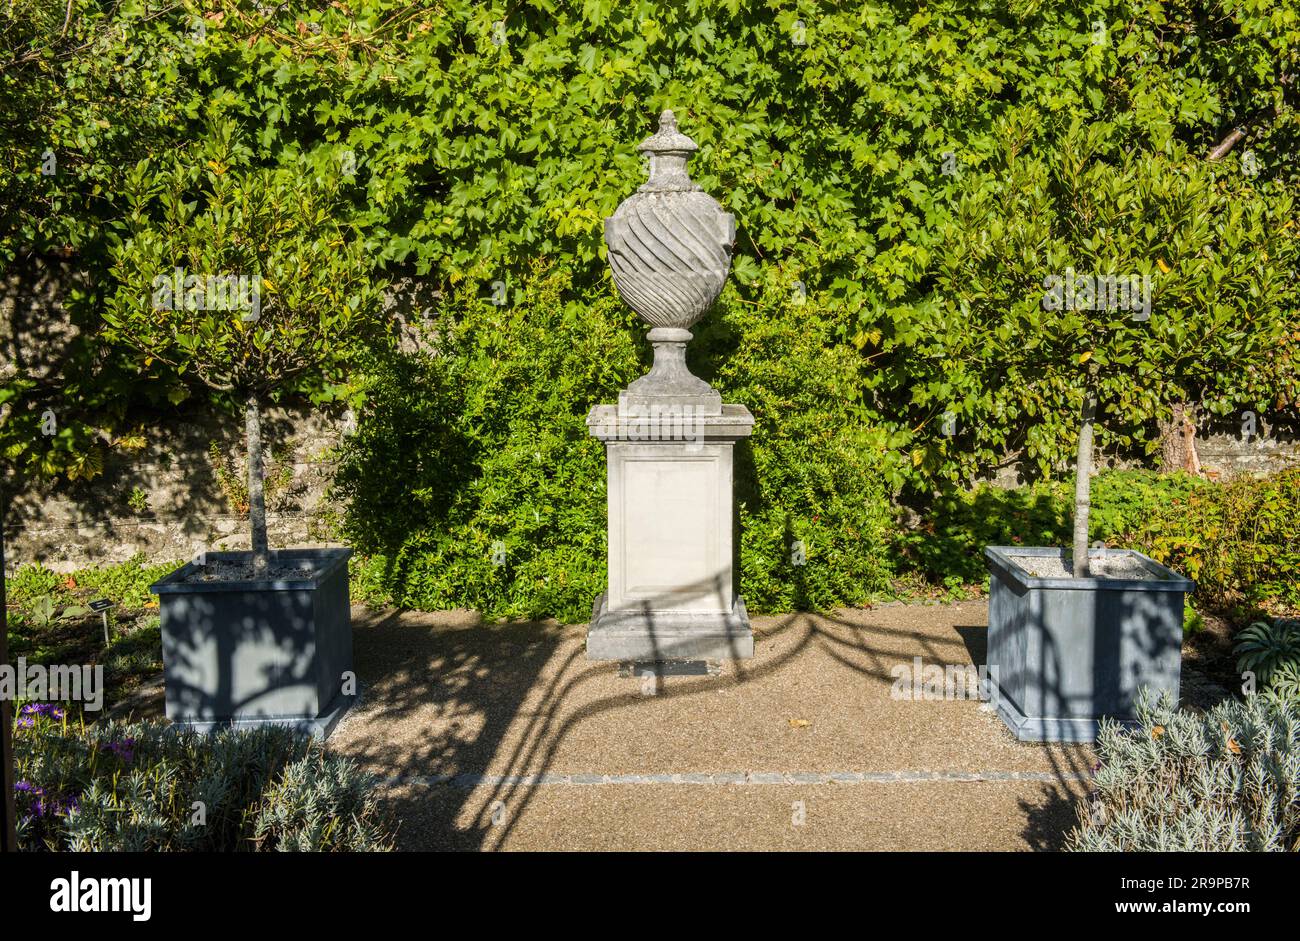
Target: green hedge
(472,480)
(1239,540)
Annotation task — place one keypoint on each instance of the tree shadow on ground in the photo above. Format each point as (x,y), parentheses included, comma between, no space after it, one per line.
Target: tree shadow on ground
(449,699)
(1049,822)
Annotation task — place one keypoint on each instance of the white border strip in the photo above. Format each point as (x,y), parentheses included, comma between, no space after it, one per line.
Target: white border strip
(727,777)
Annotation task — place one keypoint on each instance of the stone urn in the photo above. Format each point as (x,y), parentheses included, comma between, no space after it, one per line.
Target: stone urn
(669,251)
(669,442)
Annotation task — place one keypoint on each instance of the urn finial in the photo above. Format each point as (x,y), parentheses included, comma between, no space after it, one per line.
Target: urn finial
(668,150)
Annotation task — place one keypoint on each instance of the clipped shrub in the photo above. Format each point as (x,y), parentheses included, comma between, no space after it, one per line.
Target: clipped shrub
(812,498)
(1239,541)
(1222,781)
(147,786)
(472,481)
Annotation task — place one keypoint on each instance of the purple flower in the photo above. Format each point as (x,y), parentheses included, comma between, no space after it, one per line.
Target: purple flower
(47,709)
(124,749)
(43,805)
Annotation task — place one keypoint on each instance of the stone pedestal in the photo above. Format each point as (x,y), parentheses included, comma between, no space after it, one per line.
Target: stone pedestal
(671,592)
(669,441)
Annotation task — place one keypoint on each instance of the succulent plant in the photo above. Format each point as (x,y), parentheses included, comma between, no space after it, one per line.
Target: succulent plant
(1263,648)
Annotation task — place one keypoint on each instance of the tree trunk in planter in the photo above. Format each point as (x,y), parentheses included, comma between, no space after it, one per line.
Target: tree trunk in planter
(1178,441)
(1083,485)
(256,494)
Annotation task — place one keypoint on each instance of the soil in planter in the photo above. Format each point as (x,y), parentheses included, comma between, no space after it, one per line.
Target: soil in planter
(233,571)
(1111,566)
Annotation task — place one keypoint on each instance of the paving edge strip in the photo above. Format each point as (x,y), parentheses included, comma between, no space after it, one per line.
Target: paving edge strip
(725,777)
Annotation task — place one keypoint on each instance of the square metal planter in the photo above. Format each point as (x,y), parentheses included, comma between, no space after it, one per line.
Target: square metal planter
(1066,652)
(259,651)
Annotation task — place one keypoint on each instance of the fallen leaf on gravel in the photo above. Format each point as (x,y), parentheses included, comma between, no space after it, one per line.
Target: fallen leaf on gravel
(799,723)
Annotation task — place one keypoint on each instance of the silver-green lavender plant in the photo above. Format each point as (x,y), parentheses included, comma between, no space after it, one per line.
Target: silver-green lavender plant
(1224,780)
(319,804)
(145,786)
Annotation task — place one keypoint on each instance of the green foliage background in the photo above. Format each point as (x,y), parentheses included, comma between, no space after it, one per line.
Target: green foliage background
(1239,541)
(903,178)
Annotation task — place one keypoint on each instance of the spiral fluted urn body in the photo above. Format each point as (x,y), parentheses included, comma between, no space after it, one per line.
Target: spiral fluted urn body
(670,242)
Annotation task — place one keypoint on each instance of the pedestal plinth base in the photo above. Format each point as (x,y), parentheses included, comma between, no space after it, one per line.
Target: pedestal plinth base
(643,634)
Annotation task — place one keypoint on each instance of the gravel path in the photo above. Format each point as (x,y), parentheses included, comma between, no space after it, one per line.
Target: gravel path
(505,737)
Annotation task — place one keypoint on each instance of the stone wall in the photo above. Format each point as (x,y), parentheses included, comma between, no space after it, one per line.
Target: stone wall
(180,505)
(1227,453)
(1223,451)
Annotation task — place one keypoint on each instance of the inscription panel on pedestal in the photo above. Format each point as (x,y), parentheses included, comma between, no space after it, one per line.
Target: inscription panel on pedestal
(670,527)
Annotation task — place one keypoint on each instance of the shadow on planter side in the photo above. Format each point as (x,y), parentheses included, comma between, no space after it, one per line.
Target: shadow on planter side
(260,651)
(1067,652)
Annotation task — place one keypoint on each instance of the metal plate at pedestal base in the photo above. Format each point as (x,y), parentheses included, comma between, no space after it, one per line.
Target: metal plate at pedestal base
(669,635)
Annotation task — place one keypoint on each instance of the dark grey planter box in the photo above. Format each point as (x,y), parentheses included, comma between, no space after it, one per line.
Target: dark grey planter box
(259,651)
(1066,652)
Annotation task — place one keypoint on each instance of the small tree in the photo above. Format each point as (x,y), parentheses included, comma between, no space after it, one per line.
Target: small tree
(1087,294)
(1195,315)
(982,373)
(241,281)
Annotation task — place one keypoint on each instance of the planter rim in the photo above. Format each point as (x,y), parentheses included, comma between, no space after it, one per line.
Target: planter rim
(1162,578)
(331,560)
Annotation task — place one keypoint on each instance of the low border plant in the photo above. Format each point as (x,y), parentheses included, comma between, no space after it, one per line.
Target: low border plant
(150,787)
(1224,780)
